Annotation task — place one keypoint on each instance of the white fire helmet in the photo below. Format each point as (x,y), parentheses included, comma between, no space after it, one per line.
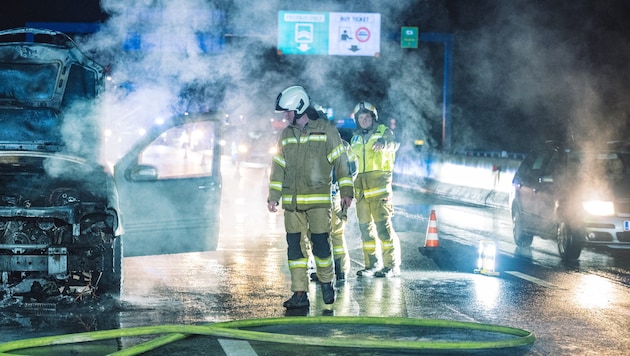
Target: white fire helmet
(364,106)
(293,98)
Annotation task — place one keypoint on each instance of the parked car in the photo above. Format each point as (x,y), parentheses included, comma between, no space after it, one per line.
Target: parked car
(61,211)
(580,197)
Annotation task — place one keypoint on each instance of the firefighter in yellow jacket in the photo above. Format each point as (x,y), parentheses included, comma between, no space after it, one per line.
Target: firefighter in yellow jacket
(375,147)
(309,149)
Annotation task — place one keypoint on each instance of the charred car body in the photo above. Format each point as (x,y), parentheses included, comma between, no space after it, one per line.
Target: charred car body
(59,218)
(579,197)
(61,211)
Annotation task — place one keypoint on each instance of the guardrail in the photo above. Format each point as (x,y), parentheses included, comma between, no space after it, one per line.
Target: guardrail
(470,177)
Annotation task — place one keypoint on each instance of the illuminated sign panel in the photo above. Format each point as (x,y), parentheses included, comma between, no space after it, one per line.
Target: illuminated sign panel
(329,33)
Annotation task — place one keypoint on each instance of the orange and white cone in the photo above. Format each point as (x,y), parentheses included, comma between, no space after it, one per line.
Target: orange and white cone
(432,232)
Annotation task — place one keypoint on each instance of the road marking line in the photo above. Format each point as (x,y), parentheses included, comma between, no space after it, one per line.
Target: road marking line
(532,279)
(465,316)
(237,347)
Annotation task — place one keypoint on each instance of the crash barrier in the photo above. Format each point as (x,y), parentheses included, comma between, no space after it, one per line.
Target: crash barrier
(508,337)
(480,180)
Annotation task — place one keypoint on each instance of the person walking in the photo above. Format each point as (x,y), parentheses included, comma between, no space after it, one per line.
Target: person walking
(301,172)
(375,147)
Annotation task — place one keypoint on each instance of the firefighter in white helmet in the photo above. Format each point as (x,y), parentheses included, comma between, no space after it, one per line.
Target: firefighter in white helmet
(309,149)
(375,146)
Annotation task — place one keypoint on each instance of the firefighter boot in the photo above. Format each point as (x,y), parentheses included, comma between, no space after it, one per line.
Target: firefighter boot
(369,270)
(388,272)
(328,292)
(298,300)
(339,273)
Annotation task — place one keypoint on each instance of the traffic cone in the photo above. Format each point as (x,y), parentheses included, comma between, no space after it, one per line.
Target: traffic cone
(432,232)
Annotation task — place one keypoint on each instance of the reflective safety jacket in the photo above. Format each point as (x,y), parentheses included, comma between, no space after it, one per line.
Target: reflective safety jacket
(374,179)
(301,172)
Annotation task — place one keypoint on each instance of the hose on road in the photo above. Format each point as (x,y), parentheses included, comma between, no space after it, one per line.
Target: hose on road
(233,329)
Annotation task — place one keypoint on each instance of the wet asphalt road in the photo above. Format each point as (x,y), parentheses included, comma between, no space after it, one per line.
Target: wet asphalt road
(572,309)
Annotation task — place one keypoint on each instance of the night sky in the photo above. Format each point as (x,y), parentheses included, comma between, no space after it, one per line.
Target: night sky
(524,71)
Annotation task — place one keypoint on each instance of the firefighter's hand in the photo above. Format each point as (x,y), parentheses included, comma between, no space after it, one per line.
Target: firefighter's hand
(346,202)
(379,145)
(272,206)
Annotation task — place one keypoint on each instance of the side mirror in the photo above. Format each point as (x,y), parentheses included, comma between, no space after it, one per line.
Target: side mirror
(143,172)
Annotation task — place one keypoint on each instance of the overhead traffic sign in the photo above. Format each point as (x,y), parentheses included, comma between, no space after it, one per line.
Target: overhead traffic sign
(355,34)
(302,32)
(331,33)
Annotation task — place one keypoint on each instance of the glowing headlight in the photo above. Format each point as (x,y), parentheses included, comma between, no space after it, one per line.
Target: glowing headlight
(273,150)
(243,149)
(600,208)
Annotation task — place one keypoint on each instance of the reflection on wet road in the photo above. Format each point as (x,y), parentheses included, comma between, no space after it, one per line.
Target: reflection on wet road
(572,309)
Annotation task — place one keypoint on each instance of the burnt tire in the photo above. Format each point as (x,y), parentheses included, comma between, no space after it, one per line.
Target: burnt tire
(521,238)
(569,244)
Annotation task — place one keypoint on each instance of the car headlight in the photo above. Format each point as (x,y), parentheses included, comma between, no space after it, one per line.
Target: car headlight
(598,207)
(243,149)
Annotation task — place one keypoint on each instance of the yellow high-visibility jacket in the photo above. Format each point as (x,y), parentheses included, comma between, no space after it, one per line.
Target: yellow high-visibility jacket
(374,179)
(301,171)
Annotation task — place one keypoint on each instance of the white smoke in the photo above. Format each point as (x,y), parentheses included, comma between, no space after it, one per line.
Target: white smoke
(245,75)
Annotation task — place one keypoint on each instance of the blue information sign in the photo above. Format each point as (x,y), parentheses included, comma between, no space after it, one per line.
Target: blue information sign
(303,32)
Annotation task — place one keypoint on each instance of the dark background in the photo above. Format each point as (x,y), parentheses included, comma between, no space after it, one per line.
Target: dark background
(523,71)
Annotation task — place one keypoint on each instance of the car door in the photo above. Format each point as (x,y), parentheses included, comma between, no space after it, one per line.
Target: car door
(169,187)
(528,187)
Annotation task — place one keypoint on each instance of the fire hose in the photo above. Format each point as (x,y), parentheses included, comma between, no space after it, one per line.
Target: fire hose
(234,330)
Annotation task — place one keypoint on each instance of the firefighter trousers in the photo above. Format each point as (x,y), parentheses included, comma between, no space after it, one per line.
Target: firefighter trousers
(316,222)
(374,218)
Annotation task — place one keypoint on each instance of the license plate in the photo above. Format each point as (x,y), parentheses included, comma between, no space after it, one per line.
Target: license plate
(626,225)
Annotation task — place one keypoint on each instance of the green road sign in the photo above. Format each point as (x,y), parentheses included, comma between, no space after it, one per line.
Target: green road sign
(409,37)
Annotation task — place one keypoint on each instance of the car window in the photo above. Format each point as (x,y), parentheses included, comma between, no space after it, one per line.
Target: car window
(81,84)
(26,81)
(536,164)
(182,152)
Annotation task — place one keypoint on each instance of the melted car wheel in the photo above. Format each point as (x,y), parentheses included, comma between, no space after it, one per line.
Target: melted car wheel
(569,247)
(521,239)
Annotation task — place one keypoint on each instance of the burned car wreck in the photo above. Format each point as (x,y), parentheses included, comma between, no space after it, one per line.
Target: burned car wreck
(59,216)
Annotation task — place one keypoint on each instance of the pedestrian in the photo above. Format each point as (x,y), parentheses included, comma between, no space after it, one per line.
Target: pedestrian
(309,148)
(375,146)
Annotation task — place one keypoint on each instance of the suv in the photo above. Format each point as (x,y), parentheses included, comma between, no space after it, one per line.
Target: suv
(579,197)
(61,211)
